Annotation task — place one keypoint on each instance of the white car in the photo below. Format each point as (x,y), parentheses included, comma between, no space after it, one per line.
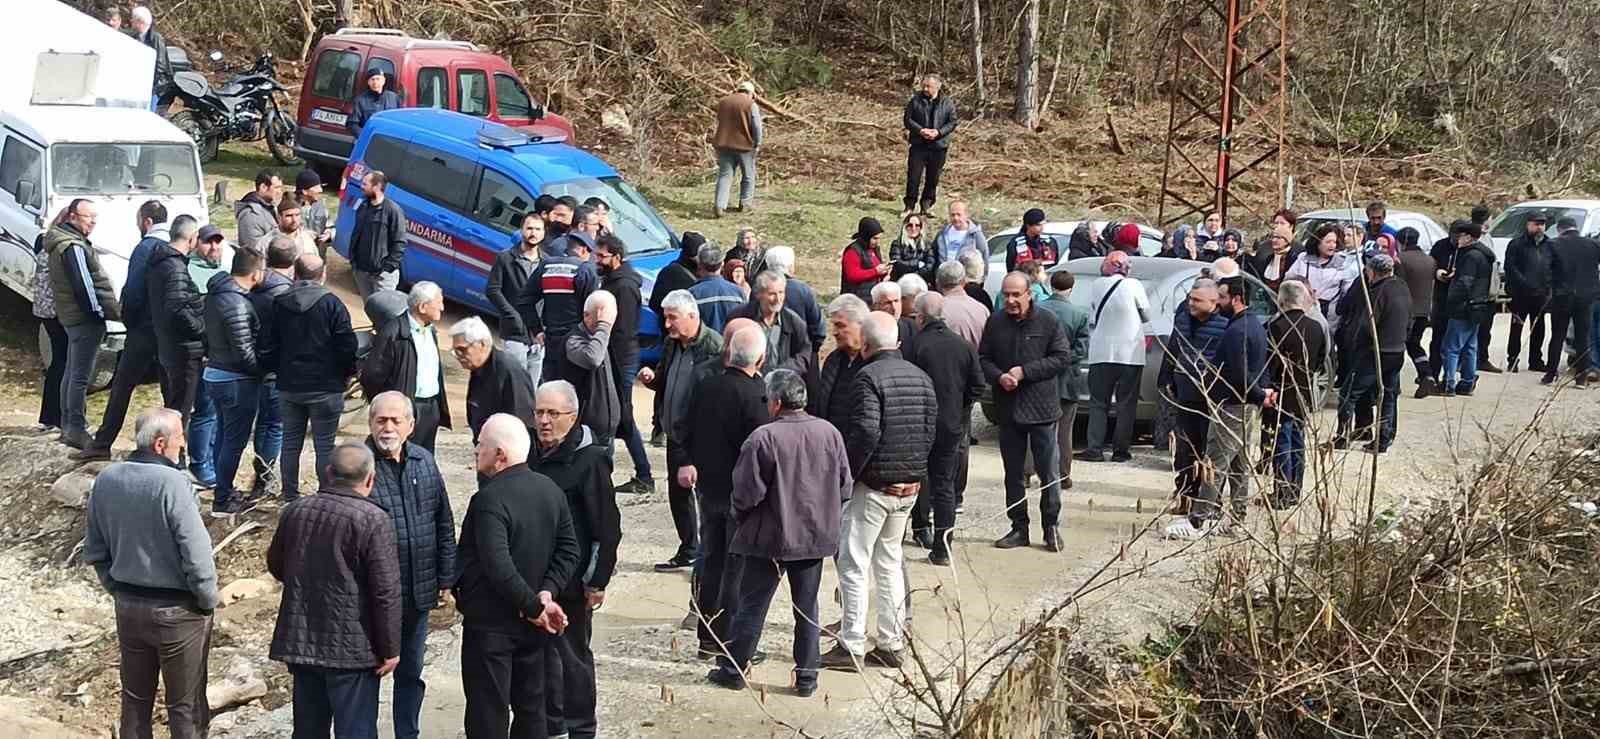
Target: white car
(1430,231)
(1149,246)
(1513,222)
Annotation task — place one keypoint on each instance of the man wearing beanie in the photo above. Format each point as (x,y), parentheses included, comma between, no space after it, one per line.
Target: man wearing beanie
(313,213)
(372,101)
(930,118)
(1465,304)
(1032,245)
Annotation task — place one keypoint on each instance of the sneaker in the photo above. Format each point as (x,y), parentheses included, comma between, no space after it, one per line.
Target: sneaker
(1184,530)
(840,659)
(44,428)
(267,482)
(232,508)
(1090,455)
(679,561)
(91,453)
(1013,540)
(724,678)
(832,629)
(880,657)
(198,483)
(636,486)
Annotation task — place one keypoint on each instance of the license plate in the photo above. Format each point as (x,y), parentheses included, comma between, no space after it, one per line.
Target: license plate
(330,117)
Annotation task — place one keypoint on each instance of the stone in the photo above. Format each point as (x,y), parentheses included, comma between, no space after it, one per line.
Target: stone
(72,489)
(245,587)
(615,118)
(241,684)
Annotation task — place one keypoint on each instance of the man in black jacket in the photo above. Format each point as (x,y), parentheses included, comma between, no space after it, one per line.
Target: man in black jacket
(727,407)
(952,365)
(929,120)
(372,101)
(338,626)
(278,278)
(378,241)
(1577,282)
(518,553)
(177,311)
(679,274)
(1297,351)
(1023,352)
(405,357)
(788,347)
(143,25)
(408,485)
(831,401)
(498,383)
(1465,303)
(508,278)
(1529,258)
(1372,335)
(624,283)
(568,453)
(309,343)
(888,437)
(233,372)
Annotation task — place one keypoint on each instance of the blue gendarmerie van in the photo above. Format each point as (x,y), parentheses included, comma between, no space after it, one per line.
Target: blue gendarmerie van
(464,184)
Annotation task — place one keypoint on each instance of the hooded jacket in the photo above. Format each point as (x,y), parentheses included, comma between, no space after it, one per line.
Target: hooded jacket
(231,328)
(81,289)
(177,308)
(582,469)
(308,340)
(508,278)
(892,421)
(1528,266)
(135,301)
(925,112)
(625,284)
(586,364)
(678,275)
(266,291)
(1467,298)
(257,219)
(391,364)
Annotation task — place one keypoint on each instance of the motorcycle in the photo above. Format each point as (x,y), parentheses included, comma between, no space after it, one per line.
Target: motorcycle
(246,108)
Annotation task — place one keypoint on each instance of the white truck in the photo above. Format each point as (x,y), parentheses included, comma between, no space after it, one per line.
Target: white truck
(75,122)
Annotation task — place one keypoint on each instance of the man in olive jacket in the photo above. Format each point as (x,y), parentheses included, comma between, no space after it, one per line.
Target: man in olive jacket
(338,625)
(84,302)
(1023,352)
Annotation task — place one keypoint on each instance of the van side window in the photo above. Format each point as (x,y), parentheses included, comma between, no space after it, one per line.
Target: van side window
(510,100)
(472,92)
(387,155)
(444,178)
(19,162)
(501,202)
(433,88)
(335,75)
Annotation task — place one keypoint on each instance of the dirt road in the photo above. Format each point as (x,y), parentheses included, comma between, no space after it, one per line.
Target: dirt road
(650,683)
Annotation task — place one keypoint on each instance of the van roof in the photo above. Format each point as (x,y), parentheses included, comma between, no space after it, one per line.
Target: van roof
(54,124)
(546,162)
(390,38)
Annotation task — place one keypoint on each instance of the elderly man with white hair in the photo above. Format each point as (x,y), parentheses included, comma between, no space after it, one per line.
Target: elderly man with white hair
(888,435)
(965,314)
(519,551)
(586,364)
(910,287)
(886,299)
(797,295)
(787,344)
(144,32)
(692,351)
(499,382)
(405,357)
(831,402)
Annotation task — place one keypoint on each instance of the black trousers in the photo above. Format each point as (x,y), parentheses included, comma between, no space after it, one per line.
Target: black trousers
(426,432)
(757,585)
(1527,309)
(717,578)
(1438,320)
(945,463)
(1419,357)
(1576,313)
(1485,327)
(681,500)
(1190,426)
(571,695)
(180,380)
(134,367)
(1108,381)
(1018,441)
(50,394)
(503,678)
(923,162)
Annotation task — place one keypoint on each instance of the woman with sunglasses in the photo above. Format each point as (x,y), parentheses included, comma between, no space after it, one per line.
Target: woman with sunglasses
(913,252)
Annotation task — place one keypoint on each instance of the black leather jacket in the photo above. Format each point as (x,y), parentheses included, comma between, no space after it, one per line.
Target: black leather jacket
(231,327)
(937,113)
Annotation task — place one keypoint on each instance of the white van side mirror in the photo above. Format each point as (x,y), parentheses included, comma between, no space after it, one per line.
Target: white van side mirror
(26,189)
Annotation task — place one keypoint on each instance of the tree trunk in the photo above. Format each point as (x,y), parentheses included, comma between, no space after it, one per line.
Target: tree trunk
(347,14)
(977,54)
(1026,112)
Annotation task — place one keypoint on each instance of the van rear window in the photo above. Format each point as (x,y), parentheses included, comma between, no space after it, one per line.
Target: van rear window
(335,75)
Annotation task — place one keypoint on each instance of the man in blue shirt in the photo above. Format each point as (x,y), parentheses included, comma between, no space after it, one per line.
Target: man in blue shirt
(1376,213)
(371,101)
(714,294)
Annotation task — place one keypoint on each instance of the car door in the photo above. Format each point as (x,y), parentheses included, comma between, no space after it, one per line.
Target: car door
(433,88)
(512,104)
(471,90)
(499,203)
(21,208)
(434,190)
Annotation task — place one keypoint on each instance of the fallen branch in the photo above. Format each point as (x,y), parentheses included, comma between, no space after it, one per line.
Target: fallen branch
(236,533)
(64,647)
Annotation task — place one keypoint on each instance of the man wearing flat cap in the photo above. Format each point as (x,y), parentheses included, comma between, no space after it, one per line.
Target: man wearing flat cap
(737,138)
(1032,245)
(1529,258)
(1466,301)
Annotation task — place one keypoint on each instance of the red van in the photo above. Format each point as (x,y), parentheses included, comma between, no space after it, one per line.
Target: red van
(426,73)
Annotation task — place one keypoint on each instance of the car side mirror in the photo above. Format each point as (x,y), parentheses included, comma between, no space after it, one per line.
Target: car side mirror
(537,111)
(26,189)
(215,56)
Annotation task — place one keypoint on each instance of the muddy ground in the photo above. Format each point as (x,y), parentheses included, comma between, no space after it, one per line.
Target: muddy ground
(650,683)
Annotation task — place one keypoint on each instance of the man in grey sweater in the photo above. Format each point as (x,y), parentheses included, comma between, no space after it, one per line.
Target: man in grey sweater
(151,550)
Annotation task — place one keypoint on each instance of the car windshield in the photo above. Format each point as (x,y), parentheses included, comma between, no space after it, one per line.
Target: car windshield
(98,169)
(632,218)
(1514,222)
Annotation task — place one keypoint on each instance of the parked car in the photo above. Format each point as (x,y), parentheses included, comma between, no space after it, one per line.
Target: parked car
(1429,229)
(1149,245)
(1513,222)
(464,184)
(1167,283)
(426,73)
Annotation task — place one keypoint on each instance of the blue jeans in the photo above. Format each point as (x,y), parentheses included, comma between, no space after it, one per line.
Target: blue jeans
(269,424)
(408,685)
(1594,336)
(1460,351)
(344,700)
(83,343)
(628,430)
(203,435)
(322,411)
(727,162)
(235,403)
(1289,459)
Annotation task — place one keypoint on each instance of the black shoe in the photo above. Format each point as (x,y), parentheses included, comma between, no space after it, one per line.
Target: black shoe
(1582,381)
(1012,540)
(805,690)
(923,538)
(1488,366)
(939,558)
(232,508)
(1511,365)
(1425,387)
(1548,379)
(1090,455)
(1449,392)
(1066,484)
(840,659)
(1372,447)
(76,439)
(91,453)
(678,562)
(636,486)
(1052,539)
(658,438)
(266,482)
(1464,390)
(723,678)
(1341,442)
(1121,457)
(1538,366)
(880,657)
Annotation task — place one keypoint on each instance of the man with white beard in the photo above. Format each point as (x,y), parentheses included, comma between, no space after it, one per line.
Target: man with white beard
(407,484)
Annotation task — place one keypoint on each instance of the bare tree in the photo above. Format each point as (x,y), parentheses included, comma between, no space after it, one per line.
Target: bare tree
(977,53)
(1026,110)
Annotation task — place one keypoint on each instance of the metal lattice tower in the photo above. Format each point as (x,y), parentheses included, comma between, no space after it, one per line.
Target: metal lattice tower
(1228,109)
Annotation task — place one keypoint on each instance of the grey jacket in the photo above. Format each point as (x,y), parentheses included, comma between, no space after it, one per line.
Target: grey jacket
(588,368)
(256,218)
(145,535)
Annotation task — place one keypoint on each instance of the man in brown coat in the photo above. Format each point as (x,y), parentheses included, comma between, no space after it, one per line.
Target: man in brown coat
(738,136)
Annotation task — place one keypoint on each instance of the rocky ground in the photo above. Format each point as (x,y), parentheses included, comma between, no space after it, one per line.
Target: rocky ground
(57,646)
